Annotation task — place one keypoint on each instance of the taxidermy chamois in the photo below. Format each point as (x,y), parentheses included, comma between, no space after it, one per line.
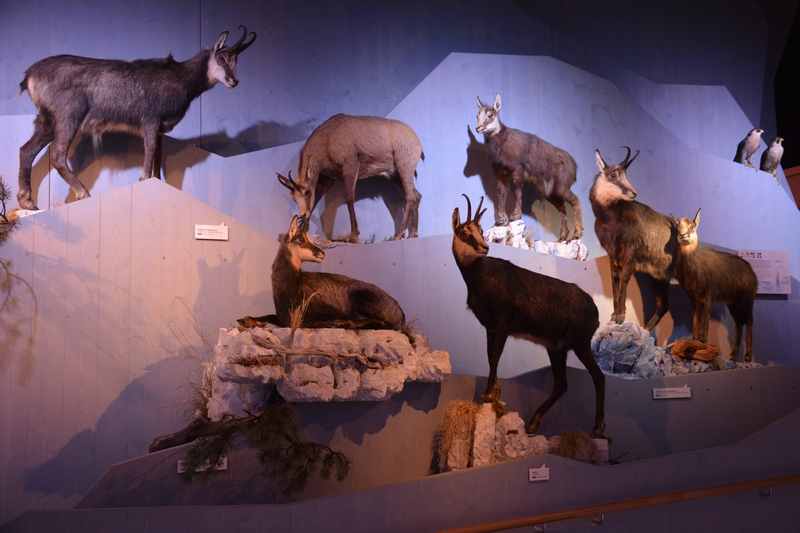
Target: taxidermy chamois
(334,301)
(350,148)
(512,301)
(636,237)
(518,157)
(710,276)
(147,97)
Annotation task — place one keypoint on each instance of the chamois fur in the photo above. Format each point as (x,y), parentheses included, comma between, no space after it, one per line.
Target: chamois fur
(334,300)
(511,301)
(709,276)
(147,97)
(350,148)
(519,157)
(636,237)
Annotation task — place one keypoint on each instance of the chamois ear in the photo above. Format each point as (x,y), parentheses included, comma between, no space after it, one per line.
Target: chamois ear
(696,219)
(601,163)
(456,219)
(221,41)
(497,102)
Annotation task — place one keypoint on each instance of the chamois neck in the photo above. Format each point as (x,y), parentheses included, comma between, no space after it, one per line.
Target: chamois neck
(465,255)
(196,70)
(491,134)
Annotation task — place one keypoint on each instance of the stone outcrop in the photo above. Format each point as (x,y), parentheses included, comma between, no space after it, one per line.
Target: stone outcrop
(517,236)
(495,439)
(315,365)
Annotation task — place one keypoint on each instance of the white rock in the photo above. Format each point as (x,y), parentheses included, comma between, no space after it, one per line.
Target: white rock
(348,381)
(334,340)
(459,453)
(511,439)
(387,347)
(538,445)
(379,384)
(235,399)
(306,383)
(483,440)
(432,367)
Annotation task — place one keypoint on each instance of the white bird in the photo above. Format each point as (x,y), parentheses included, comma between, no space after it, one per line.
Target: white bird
(748,146)
(771,157)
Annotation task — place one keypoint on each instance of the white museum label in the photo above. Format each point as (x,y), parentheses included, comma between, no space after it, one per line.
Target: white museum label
(222,464)
(211,232)
(671,393)
(539,473)
(771,268)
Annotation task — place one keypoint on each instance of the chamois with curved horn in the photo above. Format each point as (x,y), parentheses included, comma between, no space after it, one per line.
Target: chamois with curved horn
(511,301)
(147,97)
(636,237)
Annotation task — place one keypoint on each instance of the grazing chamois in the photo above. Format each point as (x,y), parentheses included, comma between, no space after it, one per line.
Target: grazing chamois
(710,276)
(512,301)
(636,237)
(350,148)
(147,97)
(518,157)
(334,301)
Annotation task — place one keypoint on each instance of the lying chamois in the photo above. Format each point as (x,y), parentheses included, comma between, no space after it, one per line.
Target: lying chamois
(636,237)
(334,301)
(350,148)
(710,276)
(519,157)
(147,97)
(512,301)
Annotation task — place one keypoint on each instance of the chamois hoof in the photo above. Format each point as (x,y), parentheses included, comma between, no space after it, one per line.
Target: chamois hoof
(618,319)
(532,427)
(25,202)
(80,195)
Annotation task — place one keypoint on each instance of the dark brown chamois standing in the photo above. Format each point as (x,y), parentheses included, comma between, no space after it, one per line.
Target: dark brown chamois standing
(512,301)
(351,148)
(636,237)
(147,97)
(519,157)
(710,276)
(334,301)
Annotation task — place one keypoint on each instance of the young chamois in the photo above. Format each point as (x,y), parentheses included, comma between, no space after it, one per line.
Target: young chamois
(334,301)
(710,276)
(350,148)
(512,301)
(519,157)
(636,237)
(147,97)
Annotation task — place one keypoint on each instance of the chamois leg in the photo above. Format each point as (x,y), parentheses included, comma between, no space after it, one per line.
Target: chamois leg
(563,234)
(625,272)
(150,138)
(350,173)
(748,346)
(411,206)
(572,200)
(558,362)
(516,187)
(158,157)
(500,215)
(65,132)
(495,342)
(738,342)
(661,290)
(584,353)
(700,312)
(42,135)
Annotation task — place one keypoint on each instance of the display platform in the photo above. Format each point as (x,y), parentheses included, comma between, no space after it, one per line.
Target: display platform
(492,493)
(391,442)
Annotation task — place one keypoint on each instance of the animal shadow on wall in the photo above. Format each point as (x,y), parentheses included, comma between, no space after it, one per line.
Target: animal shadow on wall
(261,135)
(533,205)
(377,187)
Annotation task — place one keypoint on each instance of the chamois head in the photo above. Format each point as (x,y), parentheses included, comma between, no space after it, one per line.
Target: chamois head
(687,231)
(612,184)
(489,117)
(302,193)
(300,247)
(222,59)
(468,237)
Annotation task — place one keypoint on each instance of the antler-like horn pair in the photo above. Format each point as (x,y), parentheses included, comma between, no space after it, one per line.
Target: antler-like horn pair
(287,181)
(628,160)
(478,212)
(244,41)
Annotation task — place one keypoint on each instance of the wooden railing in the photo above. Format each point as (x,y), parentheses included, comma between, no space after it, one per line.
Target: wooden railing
(625,505)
